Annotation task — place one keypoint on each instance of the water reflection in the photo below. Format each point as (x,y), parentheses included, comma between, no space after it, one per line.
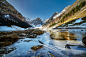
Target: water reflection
(63,35)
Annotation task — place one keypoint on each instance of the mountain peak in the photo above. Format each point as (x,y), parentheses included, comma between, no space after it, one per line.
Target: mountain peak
(38,18)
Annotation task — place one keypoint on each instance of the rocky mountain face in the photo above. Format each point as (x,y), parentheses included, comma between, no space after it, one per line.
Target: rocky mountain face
(65,14)
(10,16)
(6,8)
(37,22)
(55,17)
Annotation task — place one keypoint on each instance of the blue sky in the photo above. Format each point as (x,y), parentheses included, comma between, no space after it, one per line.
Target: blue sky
(40,8)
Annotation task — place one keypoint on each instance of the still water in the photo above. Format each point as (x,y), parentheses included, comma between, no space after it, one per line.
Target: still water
(54,47)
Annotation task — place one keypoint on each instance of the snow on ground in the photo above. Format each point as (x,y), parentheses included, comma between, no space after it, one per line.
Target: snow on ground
(12,28)
(7,16)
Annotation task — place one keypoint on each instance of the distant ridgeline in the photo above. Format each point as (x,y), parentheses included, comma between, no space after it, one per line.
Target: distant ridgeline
(10,16)
(37,21)
(70,13)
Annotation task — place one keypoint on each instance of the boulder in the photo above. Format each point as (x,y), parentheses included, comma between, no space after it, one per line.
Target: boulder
(22,34)
(77,47)
(29,31)
(9,38)
(2,33)
(32,33)
(31,36)
(6,50)
(84,41)
(27,40)
(37,47)
(38,32)
(2,44)
(67,46)
(14,36)
(40,42)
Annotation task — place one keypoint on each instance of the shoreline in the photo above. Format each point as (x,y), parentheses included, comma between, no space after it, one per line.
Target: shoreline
(70,28)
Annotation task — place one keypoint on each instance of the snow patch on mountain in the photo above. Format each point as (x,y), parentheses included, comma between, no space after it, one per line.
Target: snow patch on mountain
(37,22)
(57,15)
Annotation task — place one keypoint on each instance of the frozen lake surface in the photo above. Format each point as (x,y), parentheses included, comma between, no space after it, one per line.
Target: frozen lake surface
(51,47)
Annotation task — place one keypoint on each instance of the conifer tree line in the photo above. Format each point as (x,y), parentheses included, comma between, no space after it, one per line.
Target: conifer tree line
(74,10)
(7,22)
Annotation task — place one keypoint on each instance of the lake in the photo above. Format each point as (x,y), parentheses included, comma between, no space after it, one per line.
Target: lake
(55,46)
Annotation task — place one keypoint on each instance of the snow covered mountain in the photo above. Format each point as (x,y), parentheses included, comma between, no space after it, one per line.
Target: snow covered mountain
(37,22)
(65,9)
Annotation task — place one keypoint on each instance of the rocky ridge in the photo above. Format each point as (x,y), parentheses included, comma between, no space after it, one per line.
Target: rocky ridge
(7,8)
(37,22)
(66,14)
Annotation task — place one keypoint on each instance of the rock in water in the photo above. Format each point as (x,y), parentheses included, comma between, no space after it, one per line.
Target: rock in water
(6,50)
(33,33)
(12,38)
(31,36)
(38,32)
(37,47)
(6,40)
(5,44)
(84,41)
(40,42)
(27,40)
(67,46)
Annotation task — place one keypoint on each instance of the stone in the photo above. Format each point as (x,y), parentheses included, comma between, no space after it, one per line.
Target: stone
(31,36)
(14,36)
(67,46)
(2,33)
(38,37)
(32,33)
(22,34)
(21,38)
(40,42)
(18,42)
(6,40)
(37,47)
(78,47)
(29,31)
(84,41)
(27,40)
(2,51)
(38,32)
(2,44)
(6,50)
(8,36)
(11,38)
